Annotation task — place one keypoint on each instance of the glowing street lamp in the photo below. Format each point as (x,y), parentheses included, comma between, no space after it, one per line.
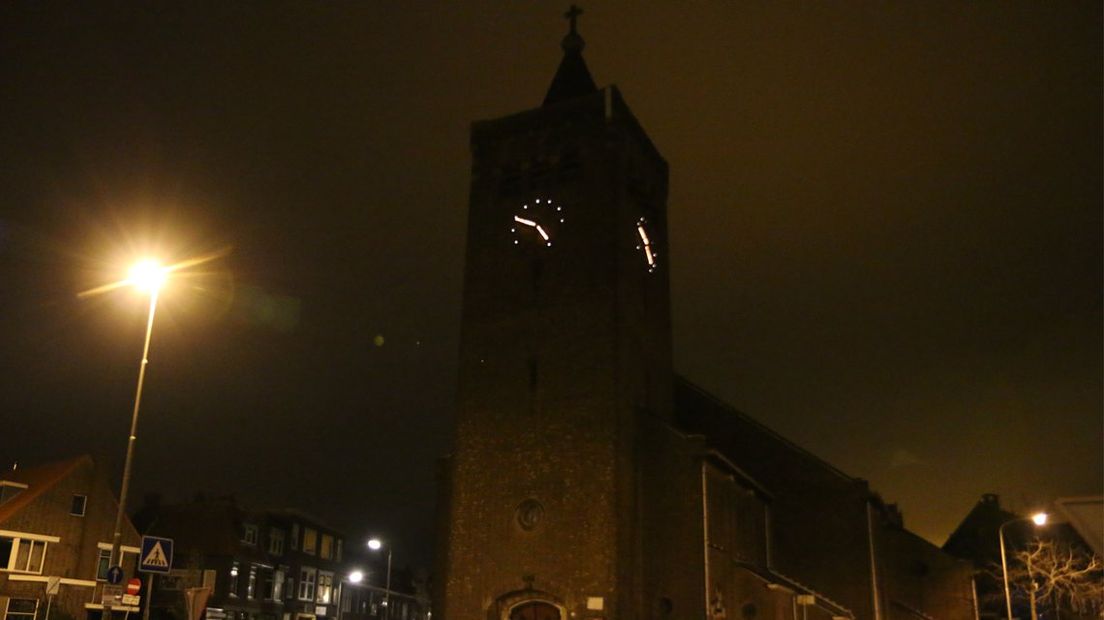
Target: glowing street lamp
(147,276)
(353,578)
(376,544)
(1039,519)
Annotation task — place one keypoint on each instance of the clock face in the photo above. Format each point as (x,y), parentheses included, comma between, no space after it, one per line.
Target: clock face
(646,244)
(537,221)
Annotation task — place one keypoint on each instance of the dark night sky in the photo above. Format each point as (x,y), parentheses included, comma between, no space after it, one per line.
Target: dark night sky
(885,220)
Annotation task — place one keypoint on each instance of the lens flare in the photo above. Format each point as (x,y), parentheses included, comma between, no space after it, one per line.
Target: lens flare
(147,275)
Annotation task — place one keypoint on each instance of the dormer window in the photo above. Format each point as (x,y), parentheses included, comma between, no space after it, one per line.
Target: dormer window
(249,535)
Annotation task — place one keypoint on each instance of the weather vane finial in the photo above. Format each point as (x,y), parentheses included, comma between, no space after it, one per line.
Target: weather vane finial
(572,15)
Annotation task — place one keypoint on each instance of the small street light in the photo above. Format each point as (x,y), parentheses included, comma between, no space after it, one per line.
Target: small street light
(376,544)
(353,578)
(1039,519)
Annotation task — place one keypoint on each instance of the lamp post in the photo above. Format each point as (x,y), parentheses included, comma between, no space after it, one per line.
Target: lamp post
(147,276)
(376,544)
(1039,518)
(353,578)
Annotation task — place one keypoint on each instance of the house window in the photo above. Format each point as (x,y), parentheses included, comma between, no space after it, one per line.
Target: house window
(306,584)
(310,540)
(276,541)
(78,505)
(232,590)
(251,585)
(273,585)
(249,536)
(294,536)
(325,586)
(267,584)
(21,609)
(20,555)
(327,547)
(338,558)
(102,564)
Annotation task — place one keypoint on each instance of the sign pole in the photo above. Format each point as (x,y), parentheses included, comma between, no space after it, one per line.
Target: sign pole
(149,597)
(53,586)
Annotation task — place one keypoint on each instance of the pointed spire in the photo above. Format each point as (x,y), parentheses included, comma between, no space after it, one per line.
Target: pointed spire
(572,78)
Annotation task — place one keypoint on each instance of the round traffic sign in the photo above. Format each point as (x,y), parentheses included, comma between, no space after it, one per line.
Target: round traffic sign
(115,575)
(134,586)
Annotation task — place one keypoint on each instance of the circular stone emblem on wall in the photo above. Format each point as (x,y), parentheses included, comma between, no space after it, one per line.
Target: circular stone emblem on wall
(529,513)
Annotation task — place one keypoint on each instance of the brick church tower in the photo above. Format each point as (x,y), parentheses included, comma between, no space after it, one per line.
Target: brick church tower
(588,482)
(565,375)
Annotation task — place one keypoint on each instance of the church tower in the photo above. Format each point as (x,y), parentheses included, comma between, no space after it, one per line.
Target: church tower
(565,362)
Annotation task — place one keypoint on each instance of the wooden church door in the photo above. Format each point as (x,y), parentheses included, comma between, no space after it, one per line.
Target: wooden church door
(537,610)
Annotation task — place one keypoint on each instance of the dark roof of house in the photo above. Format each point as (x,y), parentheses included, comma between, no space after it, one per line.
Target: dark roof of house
(210,525)
(975,538)
(38,480)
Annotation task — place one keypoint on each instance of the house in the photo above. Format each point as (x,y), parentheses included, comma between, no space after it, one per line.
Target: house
(56,526)
(260,565)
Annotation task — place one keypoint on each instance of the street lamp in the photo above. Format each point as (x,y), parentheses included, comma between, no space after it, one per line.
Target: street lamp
(1039,519)
(353,578)
(376,544)
(148,276)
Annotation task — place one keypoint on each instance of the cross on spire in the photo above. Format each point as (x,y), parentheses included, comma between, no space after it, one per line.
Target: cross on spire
(572,16)
(572,78)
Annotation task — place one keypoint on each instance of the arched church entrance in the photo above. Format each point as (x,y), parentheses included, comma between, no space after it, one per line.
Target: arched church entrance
(535,610)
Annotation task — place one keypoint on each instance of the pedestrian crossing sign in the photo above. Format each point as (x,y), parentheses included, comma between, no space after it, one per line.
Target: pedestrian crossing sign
(156,556)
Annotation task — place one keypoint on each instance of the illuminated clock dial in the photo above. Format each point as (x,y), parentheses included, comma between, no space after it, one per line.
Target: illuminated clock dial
(645,242)
(537,221)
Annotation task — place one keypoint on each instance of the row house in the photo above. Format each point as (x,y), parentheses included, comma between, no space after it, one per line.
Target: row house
(259,565)
(56,526)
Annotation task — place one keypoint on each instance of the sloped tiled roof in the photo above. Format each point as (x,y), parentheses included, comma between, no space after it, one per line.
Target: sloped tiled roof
(38,480)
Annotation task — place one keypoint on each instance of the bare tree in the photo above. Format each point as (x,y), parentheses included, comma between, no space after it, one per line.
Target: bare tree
(1058,577)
